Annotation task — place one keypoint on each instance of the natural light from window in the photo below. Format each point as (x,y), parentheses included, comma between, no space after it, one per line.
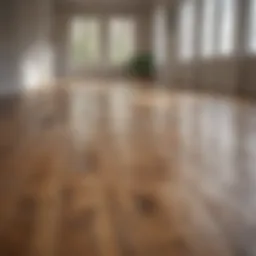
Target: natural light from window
(252,27)
(121,40)
(208,33)
(160,35)
(85,42)
(187,29)
(227,26)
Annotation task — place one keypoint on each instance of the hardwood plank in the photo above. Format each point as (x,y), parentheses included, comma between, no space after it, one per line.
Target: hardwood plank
(111,169)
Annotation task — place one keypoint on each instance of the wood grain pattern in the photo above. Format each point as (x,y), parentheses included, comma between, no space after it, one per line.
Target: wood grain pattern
(114,169)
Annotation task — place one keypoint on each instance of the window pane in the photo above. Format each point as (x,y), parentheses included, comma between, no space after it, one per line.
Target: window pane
(122,40)
(160,33)
(85,41)
(187,29)
(227,26)
(252,27)
(208,32)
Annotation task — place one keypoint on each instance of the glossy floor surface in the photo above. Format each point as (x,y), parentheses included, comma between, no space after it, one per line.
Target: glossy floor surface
(117,169)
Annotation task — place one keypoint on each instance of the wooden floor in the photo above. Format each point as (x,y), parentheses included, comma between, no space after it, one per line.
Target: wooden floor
(118,170)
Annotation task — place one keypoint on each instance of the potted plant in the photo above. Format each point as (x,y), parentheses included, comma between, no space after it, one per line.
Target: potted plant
(142,66)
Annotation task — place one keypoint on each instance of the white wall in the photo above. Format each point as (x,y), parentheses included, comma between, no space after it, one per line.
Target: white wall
(34,38)
(8,68)
(25,44)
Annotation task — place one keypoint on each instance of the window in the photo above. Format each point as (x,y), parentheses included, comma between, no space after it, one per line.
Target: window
(208,33)
(252,27)
(85,42)
(160,33)
(121,40)
(227,26)
(187,29)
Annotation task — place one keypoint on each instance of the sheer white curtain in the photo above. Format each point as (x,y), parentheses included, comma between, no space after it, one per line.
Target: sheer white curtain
(208,30)
(160,35)
(186,30)
(252,27)
(227,26)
